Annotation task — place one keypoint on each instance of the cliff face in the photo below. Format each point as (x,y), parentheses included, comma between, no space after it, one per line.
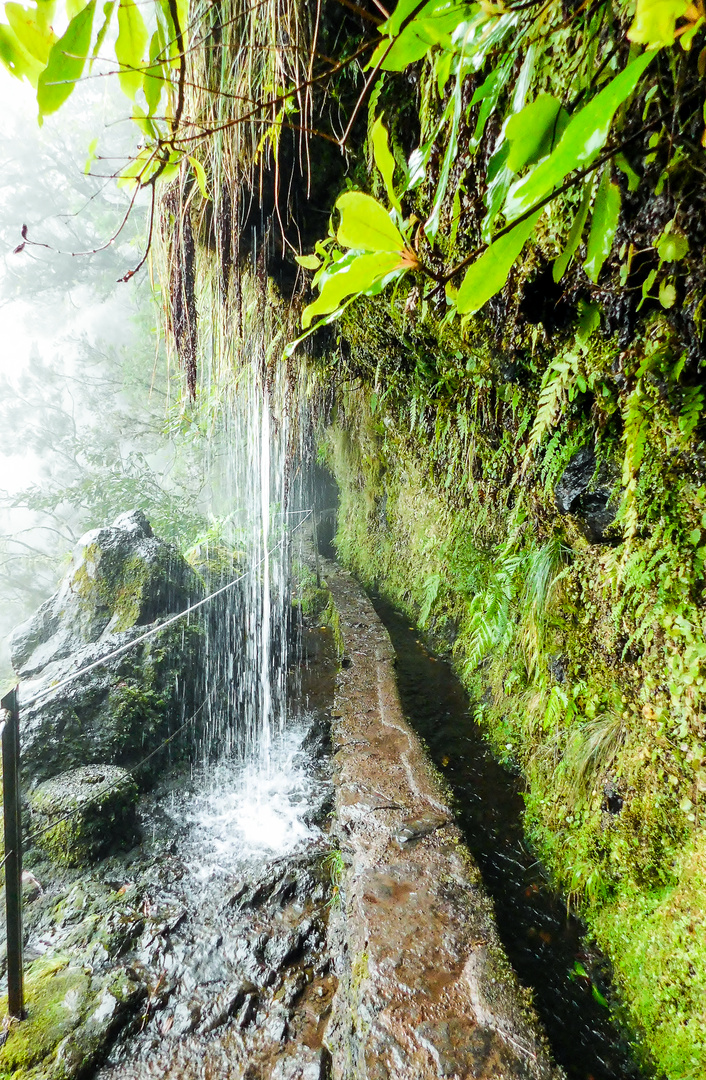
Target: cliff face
(527,481)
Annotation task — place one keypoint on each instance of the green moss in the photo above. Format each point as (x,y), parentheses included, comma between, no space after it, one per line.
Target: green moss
(56,995)
(607,740)
(91,811)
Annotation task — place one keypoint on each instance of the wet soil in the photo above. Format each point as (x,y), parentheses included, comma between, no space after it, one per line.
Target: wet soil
(546,946)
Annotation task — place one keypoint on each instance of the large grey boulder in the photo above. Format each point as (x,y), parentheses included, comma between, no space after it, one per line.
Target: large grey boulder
(120,576)
(123,581)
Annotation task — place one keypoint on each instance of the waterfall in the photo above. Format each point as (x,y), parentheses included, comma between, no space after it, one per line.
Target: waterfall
(250,481)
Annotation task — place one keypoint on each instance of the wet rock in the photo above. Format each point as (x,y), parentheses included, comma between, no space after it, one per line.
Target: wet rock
(612,799)
(122,580)
(595,508)
(186,1018)
(284,949)
(574,480)
(71,1019)
(416,829)
(80,814)
(121,576)
(303,1064)
(276,1026)
(247,1011)
(228,1004)
(558,667)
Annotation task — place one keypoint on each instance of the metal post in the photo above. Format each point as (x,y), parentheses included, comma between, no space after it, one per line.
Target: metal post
(13,852)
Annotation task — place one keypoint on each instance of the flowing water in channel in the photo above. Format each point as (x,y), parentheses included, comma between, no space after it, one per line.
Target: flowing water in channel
(544,944)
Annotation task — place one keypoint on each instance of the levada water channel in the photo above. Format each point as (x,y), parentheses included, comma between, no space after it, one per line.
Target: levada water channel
(192,861)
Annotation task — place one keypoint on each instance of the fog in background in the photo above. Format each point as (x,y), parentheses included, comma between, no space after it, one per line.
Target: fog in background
(86,420)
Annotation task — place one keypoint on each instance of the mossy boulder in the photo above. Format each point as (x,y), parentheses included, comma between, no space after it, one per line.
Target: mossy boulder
(72,1017)
(121,576)
(120,711)
(84,812)
(122,583)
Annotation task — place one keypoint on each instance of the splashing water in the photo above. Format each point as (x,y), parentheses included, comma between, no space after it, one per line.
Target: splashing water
(248,810)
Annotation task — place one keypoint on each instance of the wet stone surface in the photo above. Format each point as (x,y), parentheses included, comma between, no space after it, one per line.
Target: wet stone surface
(200,952)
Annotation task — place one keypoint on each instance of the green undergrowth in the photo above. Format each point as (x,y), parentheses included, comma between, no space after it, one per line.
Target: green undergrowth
(313,597)
(585,682)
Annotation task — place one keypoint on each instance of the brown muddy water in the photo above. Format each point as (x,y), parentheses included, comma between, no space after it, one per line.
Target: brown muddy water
(547,947)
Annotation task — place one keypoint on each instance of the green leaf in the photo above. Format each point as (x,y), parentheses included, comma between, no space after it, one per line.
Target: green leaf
(667,294)
(606,211)
(533,131)
(130,46)
(655,22)
(66,62)
(577,226)
(366,225)
(580,144)
(352,275)
(15,57)
(92,148)
(487,96)
(646,286)
(200,174)
(309,262)
(599,996)
(626,168)
(432,26)
(489,273)
(108,10)
(31,30)
(155,75)
(672,246)
(384,161)
(431,225)
(588,321)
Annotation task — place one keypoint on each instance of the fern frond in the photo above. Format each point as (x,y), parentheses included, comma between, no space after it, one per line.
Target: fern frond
(691,409)
(558,380)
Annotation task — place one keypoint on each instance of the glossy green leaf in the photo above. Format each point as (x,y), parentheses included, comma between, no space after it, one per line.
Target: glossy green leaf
(487,96)
(36,38)
(589,319)
(352,275)
(44,14)
(108,10)
(667,294)
(626,168)
(384,161)
(130,46)
(431,225)
(309,262)
(581,142)
(672,246)
(576,232)
(489,273)
(155,75)
(433,25)
(534,131)
(655,22)
(66,62)
(366,225)
(74,7)
(15,57)
(200,174)
(606,211)
(145,123)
